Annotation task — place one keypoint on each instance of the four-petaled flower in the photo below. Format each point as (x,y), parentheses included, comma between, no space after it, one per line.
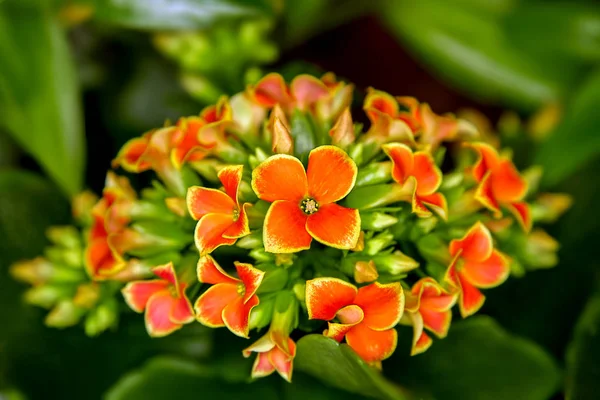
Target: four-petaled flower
(221,219)
(303,203)
(366,316)
(164,301)
(475,264)
(500,184)
(275,353)
(428,306)
(230,300)
(419,178)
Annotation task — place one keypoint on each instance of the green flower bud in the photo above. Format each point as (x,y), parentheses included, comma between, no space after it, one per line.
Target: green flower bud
(376,221)
(395,263)
(274,280)
(374,173)
(251,241)
(63,315)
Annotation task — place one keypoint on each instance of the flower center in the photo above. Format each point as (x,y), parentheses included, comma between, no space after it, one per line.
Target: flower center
(309,206)
(236,214)
(241,289)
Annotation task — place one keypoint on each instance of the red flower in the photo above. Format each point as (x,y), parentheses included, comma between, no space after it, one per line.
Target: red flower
(304,202)
(366,316)
(475,264)
(230,300)
(221,219)
(164,301)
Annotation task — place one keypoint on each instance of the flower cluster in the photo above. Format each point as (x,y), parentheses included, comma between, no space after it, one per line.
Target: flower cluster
(274,208)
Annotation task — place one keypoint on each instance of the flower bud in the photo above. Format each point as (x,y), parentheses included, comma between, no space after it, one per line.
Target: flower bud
(274,280)
(375,196)
(374,173)
(46,296)
(87,295)
(102,317)
(378,242)
(63,315)
(395,263)
(259,254)
(376,221)
(548,207)
(64,236)
(35,272)
(262,314)
(365,272)
(251,241)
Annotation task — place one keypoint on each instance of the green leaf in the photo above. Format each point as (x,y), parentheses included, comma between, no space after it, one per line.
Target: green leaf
(478,360)
(39,97)
(178,14)
(576,140)
(583,369)
(339,366)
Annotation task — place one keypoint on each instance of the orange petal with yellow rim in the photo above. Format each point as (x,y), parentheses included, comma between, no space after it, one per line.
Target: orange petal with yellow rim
(280,177)
(209,271)
(471,299)
(382,304)
(337,331)
(138,293)
(437,322)
(428,175)
(282,362)
(130,157)
(382,102)
(262,366)
(182,311)
(507,184)
(402,159)
(202,201)
(421,345)
(167,272)
(285,228)
(487,273)
(307,90)
(331,174)
(476,245)
(485,195)
(326,296)
(230,177)
(209,232)
(350,315)
(441,302)
(488,159)
(335,226)
(372,345)
(522,213)
(100,259)
(240,227)
(158,315)
(210,305)
(251,278)
(236,315)
(271,90)
(437,203)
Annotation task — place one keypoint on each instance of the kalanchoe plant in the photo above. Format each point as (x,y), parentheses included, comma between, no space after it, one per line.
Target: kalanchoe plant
(273,211)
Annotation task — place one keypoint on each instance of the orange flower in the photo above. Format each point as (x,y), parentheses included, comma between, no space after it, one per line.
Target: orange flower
(420,179)
(366,316)
(230,300)
(164,301)
(428,306)
(303,92)
(500,184)
(221,220)
(304,202)
(274,354)
(475,264)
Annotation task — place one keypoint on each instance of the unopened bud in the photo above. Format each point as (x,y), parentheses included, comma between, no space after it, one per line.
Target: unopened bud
(63,315)
(374,173)
(35,272)
(45,296)
(65,236)
(274,280)
(378,242)
(251,241)
(262,314)
(101,318)
(395,263)
(376,221)
(87,295)
(365,271)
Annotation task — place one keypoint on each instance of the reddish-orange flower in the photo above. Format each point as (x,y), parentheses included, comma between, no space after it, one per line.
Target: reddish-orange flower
(164,301)
(304,91)
(365,317)
(500,184)
(420,179)
(428,306)
(475,264)
(303,203)
(221,219)
(275,353)
(230,300)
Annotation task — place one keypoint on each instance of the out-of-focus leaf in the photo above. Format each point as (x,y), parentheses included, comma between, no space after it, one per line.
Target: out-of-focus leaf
(305,387)
(583,369)
(468,48)
(338,365)
(39,98)
(170,378)
(178,14)
(577,139)
(478,360)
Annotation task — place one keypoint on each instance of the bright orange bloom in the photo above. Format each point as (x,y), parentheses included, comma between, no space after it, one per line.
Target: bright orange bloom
(230,300)
(164,301)
(221,219)
(275,353)
(304,202)
(365,317)
(500,184)
(428,306)
(475,264)
(420,179)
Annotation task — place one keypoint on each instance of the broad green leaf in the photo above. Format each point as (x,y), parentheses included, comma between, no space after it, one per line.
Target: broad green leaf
(478,360)
(583,369)
(339,366)
(178,14)
(39,98)
(577,139)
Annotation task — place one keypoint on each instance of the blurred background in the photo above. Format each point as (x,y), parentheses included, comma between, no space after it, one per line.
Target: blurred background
(80,78)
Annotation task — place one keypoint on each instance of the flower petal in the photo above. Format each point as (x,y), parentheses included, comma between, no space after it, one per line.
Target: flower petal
(209,232)
(167,272)
(240,227)
(487,273)
(488,160)
(437,203)
(350,315)
(476,245)
(130,157)
(522,213)
(380,101)
(335,226)
(236,315)
(331,174)
(262,366)
(402,160)
(282,362)
(307,90)
(285,228)
(209,271)
(471,299)
(101,260)
(485,195)
(210,305)
(421,341)
(280,177)
(231,177)
(421,345)
(507,184)
(251,278)
(281,138)
(337,331)
(382,304)
(182,311)
(342,134)
(326,296)
(202,201)
(429,176)
(138,293)
(158,315)
(271,90)
(437,322)
(372,345)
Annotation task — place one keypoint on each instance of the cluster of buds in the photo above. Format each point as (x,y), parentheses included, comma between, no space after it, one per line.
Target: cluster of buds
(273,208)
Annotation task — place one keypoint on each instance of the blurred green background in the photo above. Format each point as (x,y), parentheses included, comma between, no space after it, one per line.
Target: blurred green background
(79,78)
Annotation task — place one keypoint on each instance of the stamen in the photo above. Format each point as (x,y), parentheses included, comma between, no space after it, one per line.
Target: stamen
(236,214)
(309,206)
(241,289)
